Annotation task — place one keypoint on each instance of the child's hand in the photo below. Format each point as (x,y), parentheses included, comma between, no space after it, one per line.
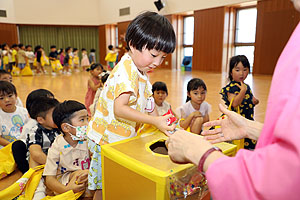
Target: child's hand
(161,123)
(75,187)
(255,101)
(82,177)
(243,87)
(197,114)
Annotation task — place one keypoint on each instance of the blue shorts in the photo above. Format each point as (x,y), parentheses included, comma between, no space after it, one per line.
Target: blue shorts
(95,173)
(21,65)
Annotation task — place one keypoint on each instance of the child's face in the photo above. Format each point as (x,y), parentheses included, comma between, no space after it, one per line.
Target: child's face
(6,77)
(146,60)
(53,49)
(239,73)
(159,96)
(29,49)
(47,122)
(96,71)
(80,118)
(197,96)
(8,102)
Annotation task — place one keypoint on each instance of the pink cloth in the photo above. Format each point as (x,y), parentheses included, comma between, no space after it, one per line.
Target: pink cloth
(272,170)
(90,95)
(85,60)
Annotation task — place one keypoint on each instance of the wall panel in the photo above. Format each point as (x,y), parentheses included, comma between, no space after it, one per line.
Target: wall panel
(276,20)
(208,39)
(8,34)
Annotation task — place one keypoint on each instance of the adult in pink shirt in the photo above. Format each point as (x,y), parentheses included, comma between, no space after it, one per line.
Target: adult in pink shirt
(272,170)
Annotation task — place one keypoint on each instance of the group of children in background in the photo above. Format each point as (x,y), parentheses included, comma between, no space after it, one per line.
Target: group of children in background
(15,58)
(60,135)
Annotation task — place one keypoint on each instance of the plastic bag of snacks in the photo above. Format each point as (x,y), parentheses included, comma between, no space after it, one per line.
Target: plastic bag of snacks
(188,184)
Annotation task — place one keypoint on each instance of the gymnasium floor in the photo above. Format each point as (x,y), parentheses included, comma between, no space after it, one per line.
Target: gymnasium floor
(75,86)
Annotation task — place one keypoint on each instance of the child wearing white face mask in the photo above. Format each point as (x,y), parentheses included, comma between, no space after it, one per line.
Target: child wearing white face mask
(68,159)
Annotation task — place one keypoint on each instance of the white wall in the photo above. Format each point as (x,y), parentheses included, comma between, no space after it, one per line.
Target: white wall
(109,9)
(71,12)
(94,12)
(8,5)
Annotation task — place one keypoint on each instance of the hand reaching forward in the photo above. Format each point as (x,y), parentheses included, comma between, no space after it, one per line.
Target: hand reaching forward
(233,127)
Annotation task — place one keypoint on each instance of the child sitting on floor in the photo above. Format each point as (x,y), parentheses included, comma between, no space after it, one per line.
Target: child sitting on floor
(68,160)
(12,117)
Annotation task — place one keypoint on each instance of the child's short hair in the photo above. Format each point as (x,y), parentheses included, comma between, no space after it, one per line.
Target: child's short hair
(27,46)
(36,48)
(110,47)
(94,66)
(7,88)
(83,49)
(35,95)
(75,49)
(40,107)
(13,46)
(152,31)
(194,84)
(67,49)
(234,61)
(93,50)
(20,45)
(158,85)
(52,46)
(63,112)
(104,77)
(2,72)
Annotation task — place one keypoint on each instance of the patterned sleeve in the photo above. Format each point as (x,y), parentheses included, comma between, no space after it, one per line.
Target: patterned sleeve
(52,162)
(230,88)
(33,137)
(126,79)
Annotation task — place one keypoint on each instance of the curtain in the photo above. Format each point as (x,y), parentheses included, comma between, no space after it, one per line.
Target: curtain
(62,37)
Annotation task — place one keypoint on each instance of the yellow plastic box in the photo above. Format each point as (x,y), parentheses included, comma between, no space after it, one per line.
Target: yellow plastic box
(131,171)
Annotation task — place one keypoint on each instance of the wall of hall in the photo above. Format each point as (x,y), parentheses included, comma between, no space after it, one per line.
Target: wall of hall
(94,12)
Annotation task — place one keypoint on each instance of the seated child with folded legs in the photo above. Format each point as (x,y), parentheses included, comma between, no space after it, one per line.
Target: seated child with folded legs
(12,120)
(40,137)
(68,160)
(160,93)
(195,111)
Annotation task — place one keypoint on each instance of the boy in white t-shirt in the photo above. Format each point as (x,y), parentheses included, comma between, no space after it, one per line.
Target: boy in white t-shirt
(6,76)
(12,117)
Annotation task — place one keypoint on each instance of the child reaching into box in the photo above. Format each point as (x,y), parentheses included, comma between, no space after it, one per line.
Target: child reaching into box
(121,108)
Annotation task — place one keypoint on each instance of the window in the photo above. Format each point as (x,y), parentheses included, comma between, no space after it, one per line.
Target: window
(245,33)
(188,35)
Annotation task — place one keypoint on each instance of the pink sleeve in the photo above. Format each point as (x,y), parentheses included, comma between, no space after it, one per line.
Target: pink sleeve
(269,172)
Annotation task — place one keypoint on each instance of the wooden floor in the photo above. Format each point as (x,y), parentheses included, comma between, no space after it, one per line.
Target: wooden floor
(75,86)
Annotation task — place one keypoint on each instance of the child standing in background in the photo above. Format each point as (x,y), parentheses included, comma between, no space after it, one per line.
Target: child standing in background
(53,57)
(92,56)
(195,111)
(62,56)
(121,108)
(22,59)
(111,57)
(93,84)
(85,63)
(5,59)
(67,58)
(75,60)
(30,55)
(240,92)
(104,77)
